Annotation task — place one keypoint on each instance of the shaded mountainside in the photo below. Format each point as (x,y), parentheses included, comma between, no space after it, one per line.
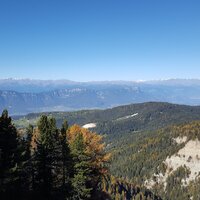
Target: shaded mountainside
(25,96)
(124,119)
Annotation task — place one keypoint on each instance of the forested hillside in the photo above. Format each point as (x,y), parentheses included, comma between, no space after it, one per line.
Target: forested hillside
(166,160)
(46,162)
(118,120)
(144,151)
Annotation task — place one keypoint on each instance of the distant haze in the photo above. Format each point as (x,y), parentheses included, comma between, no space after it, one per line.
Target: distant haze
(26,95)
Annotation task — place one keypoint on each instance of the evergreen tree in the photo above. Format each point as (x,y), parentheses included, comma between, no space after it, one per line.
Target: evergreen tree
(81,169)
(26,159)
(45,155)
(24,165)
(8,157)
(66,159)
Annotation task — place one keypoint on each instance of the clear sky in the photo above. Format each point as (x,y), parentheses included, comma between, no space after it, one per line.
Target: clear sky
(86,40)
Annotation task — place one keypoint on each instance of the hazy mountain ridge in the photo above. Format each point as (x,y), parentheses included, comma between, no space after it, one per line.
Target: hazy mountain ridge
(25,96)
(34,85)
(67,99)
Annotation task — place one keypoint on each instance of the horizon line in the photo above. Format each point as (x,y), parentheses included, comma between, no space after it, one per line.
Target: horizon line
(97,81)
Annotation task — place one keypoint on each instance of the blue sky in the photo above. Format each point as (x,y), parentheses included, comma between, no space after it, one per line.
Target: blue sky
(86,40)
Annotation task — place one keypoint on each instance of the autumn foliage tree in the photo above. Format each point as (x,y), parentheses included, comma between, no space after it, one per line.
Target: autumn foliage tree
(95,147)
(94,151)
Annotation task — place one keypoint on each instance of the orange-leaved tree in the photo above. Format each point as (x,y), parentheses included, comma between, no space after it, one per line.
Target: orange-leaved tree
(95,149)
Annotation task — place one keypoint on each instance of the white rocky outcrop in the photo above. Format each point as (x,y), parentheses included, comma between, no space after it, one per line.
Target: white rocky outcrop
(127,117)
(89,125)
(188,156)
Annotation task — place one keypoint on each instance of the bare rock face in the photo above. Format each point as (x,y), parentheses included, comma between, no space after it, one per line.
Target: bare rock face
(187,157)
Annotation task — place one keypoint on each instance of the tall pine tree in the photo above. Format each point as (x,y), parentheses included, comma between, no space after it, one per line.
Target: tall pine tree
(81,169)
(8,158)
(44,156)
(66,160)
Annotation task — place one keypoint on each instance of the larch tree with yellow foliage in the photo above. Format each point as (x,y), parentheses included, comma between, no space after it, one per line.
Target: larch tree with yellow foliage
(95,152)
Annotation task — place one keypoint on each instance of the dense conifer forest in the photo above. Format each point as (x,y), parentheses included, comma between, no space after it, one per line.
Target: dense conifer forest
(54,159)
(46,162)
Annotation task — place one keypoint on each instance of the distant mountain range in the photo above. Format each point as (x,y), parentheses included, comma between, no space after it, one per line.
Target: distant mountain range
(22,96)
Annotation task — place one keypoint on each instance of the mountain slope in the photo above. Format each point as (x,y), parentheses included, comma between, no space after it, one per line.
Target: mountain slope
(166,160)
(25,96)
(123,119)
(75,98)
(153,144)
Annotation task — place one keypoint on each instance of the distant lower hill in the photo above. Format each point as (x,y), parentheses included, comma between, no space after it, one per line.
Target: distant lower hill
(123,119)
